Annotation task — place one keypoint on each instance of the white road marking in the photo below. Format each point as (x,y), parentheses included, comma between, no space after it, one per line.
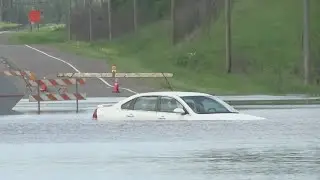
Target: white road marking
(65,62)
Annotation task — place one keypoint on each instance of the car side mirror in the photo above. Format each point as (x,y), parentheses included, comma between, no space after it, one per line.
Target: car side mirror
(179,111)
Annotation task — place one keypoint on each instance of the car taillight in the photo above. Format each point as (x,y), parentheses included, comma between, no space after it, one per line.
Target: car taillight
(95,115)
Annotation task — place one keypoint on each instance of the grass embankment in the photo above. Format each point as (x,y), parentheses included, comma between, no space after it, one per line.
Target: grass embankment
(266,50)
(47,34)
(7,25)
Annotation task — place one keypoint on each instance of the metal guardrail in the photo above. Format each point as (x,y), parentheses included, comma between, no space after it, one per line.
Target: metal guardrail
(270,100)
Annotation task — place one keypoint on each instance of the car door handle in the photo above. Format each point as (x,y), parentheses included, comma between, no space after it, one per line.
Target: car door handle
(162,117)
(129,115)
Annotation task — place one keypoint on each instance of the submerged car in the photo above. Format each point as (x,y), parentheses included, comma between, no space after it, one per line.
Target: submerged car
(170,106)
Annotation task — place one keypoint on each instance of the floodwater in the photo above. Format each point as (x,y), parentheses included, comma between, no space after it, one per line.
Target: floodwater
(65,145)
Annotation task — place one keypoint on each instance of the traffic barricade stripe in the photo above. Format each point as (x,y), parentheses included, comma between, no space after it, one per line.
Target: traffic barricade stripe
(57,82)
(18,73)
(78,96)
(53,82)
(57,97)
(65,97)
(69,81)
(81,81)
(52,97)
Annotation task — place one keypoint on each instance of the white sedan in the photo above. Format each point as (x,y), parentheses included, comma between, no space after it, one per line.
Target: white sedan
(170,106)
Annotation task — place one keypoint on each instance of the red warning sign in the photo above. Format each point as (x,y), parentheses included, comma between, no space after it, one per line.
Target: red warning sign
(34,16)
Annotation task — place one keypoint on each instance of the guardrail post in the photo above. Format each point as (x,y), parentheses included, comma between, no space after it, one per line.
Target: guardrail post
(38,90)
(77,91)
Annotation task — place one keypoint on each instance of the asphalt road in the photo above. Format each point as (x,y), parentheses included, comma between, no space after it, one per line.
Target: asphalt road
(47,61)
(11,91)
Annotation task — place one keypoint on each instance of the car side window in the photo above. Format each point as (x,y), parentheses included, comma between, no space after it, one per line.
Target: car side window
(146,103)
(127,105)
(168,104)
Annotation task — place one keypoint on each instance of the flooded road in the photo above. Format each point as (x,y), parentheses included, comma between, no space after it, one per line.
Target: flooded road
(72,146)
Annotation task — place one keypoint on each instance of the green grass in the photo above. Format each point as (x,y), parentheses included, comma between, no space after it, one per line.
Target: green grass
(5,25)
(46,35)
(266,50)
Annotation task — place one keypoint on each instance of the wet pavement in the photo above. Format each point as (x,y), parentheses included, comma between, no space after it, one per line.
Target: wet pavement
(65,145)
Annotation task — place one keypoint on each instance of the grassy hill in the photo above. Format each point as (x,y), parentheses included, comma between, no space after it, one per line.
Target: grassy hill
(267,50)
(7,26)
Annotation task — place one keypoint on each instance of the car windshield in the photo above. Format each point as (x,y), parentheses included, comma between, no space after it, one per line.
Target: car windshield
(207,105)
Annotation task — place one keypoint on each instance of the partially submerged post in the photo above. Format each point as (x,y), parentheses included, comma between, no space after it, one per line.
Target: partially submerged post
(77,100)
(38,91)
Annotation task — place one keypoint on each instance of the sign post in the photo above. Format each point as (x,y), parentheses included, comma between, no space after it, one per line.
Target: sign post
(38,91)
(77,100)
(114,71)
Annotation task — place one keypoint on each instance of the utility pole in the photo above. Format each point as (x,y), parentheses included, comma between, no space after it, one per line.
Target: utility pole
(17,14)
(228,36)
(69,20)
(1,10)
(306,41)
(90,20)
(109,20)
(135,15)
(173,4)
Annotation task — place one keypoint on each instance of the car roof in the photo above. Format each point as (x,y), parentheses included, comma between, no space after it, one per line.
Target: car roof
(173,93)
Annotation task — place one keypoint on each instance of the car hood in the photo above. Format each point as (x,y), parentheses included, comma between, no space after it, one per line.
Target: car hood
(228,117)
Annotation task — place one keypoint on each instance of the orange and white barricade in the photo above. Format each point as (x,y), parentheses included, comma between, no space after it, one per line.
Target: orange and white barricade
(57,97)
(45,95)
(58,82)
(115,76)
(25,75)
(18,73)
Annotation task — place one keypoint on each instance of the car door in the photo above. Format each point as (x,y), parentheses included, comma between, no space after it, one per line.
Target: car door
(144,108)
(126,111)
(166,108)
